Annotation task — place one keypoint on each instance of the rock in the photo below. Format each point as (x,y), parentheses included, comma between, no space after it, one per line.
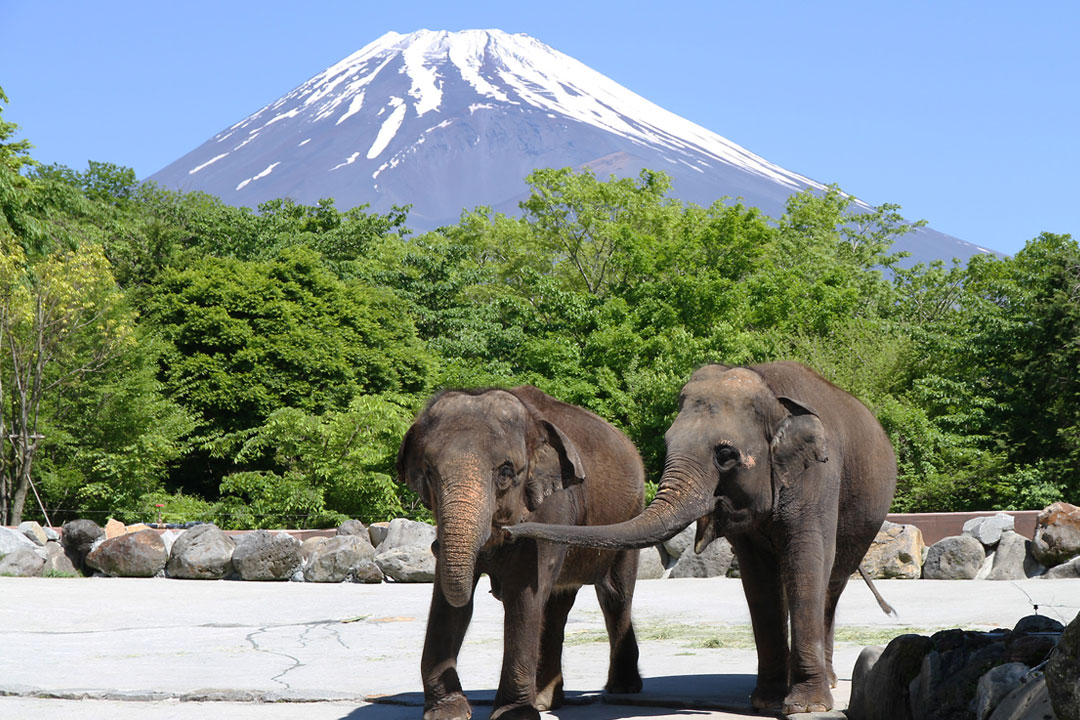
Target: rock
(22,562)
(402,533)
(1070,569)
(1013,559)
(650,564)
(896,552)
(713,562)
(1063,673)
(262,555)
(307,547)
(354,527)
(12,540)
(140,554)
(1057,534)
(676,546)
(34,532)
(1029,701)
(368,573)
(987,530)
(1031,650)
(137,527)
(857,704)
(1038,624)
(945,686)
(51,534)
(114,528)
(882,689)
(57,563)
(202,553)
(377,533)
(79,537)
(412,563)
(958,557)
(338,558)
(997,683)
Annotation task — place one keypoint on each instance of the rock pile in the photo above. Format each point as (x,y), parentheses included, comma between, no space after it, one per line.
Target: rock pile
(400,551)
(1029,672)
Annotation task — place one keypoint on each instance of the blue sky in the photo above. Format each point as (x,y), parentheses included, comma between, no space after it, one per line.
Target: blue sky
(965,114)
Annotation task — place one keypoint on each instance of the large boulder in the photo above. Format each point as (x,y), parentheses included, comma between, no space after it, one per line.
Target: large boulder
(1070,569)
(679,544)
(946,683)
(881,680)
(22,562)
(995,685)
(402,533)
(988,529)
(411,563)
(1013,559)
(57,563)
(262,555)
(1057,534)
(34,532)
(713,562)
(896,552)
(79,537)
(354,527)
(12,540)
(202,553)
(377,532)
(405,553)
(140,554)
(959,557)
(1063,673)
(1029,701)
(650,564)
(340,558)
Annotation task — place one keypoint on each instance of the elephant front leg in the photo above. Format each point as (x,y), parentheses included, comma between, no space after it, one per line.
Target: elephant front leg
(805,573)
(443,696)
(764,591)
(525,597)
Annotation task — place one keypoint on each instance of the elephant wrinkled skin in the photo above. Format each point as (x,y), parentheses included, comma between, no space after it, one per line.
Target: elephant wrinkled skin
(798,475)
(484,459)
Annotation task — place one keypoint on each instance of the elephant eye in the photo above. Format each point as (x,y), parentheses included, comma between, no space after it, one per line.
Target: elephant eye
(505,475)
(726,457)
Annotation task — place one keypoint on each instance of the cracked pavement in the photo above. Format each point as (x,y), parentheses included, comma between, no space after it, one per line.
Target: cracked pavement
(126,647)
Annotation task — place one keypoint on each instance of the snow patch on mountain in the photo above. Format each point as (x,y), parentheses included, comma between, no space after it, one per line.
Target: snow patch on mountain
(260,176)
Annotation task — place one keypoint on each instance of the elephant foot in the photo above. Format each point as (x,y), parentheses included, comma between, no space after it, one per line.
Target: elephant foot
(830,674)
(550,697)
(520,712)
(808,697)
(768,697)
(623,686)
(451,707)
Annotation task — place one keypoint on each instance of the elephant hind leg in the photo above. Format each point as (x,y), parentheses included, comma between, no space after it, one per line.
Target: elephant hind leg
(549,678)
(832,597)
(615,591)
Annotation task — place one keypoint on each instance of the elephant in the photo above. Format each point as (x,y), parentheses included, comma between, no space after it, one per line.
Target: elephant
(482,459)
(798,475)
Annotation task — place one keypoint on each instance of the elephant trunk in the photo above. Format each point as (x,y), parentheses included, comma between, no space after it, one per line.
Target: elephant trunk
(683,497)
(464,526)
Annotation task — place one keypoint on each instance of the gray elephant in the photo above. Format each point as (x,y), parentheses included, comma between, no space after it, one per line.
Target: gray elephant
(798,475)
(483,459)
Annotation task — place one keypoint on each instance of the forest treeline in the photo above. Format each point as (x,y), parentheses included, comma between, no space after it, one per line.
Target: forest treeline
(258,368)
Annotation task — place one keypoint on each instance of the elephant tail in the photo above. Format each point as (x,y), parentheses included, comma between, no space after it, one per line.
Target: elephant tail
(885,607)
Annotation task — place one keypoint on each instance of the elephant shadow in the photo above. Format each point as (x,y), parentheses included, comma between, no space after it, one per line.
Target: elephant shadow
(683,695)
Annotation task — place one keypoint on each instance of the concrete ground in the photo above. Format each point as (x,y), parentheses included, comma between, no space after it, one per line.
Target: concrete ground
(127,648)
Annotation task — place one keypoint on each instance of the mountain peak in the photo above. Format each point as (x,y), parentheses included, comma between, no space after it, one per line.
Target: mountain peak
(445,121)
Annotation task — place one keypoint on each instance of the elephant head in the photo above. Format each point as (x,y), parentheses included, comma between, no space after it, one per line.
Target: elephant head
(733,451)
(481,460)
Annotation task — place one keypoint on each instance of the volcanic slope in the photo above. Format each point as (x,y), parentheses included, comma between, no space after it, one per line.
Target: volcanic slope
(446,121)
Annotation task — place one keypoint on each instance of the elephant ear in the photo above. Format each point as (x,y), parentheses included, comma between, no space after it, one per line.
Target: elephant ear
(406,470)
(797,444)
(556,464)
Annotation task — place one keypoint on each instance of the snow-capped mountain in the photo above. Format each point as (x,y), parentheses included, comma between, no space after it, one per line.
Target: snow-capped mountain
(448,121)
